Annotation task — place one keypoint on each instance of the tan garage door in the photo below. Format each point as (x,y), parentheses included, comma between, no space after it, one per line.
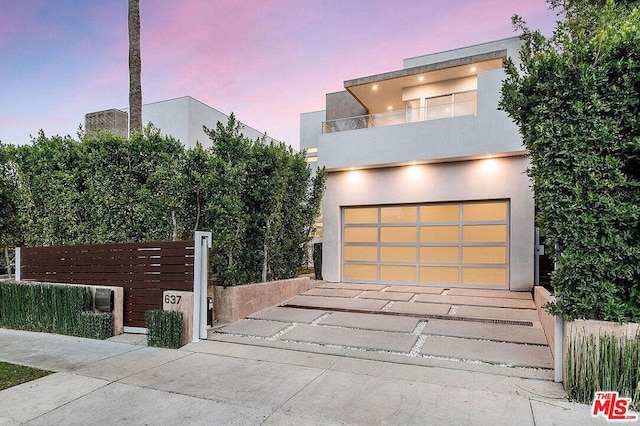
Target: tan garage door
(454,244)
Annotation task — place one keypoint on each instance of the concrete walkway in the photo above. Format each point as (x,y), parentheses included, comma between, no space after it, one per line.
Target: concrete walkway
(489,331)
(209,382)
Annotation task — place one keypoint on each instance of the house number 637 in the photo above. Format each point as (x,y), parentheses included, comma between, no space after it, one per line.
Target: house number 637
(172,299)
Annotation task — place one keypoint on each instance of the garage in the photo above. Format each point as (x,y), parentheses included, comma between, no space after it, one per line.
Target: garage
(461,244)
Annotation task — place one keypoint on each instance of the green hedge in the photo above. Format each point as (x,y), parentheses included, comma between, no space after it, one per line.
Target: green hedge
(96,325)
(51,309)
(164,328)
(606,364)
(575,101)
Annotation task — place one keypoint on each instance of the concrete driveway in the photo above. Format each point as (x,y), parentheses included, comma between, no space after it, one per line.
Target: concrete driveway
(490,331)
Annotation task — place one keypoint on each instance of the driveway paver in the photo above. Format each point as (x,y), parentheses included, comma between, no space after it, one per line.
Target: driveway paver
(371,321)
(386,295)
(336,303)
(254,327)
(279,313)
(420,308)
(476,301)
(486,331)
(366,339)
(534,356)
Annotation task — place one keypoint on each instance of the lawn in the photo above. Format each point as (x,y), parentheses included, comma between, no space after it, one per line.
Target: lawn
(12,374)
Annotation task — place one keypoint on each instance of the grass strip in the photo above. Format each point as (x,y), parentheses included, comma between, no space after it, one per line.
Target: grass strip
(13,374)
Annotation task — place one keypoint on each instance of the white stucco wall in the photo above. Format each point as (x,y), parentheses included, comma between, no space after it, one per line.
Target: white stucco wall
(511,45)
(490,132)
(311,128)
(184,118)
(498,178)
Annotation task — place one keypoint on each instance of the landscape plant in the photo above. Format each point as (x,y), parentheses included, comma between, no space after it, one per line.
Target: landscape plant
(257,197)
(608,362)
(51,308)
(164,328)
(10,229)
(261,205)
(576,98)
(95,325)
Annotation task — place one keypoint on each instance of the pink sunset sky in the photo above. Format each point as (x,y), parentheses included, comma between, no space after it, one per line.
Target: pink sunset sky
(265,60)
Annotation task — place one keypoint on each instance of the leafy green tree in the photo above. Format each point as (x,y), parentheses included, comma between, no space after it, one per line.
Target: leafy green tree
(224,209)
(195,171)
(10,230)
(48,169)
(156,167)
(261,204)
(258,198)
(576,100)
(101,189)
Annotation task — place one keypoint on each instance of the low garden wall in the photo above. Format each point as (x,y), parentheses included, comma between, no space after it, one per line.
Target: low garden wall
(541,296)
(58,308)
(236,302)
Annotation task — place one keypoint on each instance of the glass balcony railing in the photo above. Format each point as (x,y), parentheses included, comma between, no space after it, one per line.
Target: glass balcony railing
(453,105)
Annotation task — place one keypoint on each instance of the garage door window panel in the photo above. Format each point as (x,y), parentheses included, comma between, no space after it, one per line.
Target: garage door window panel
(395,273)
(406,254)
(398,234)
(361,253)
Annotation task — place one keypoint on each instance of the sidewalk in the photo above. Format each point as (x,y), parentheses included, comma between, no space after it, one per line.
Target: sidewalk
(107,382)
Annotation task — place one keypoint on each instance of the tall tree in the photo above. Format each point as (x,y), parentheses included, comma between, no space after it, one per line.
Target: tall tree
(135,67)
(9,220)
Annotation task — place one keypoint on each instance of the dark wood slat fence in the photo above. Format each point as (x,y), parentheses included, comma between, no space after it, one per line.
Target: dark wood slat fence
(144,270)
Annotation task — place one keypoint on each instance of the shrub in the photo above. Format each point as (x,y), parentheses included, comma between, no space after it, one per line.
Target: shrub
(607,363)
(43,307)
(577,106)
(95,325)
(262,202)
(164,328)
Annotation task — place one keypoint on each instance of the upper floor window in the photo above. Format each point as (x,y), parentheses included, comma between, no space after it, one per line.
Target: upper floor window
(444,106)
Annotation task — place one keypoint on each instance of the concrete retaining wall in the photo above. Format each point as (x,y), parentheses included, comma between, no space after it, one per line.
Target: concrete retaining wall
(234,303)
(541,296)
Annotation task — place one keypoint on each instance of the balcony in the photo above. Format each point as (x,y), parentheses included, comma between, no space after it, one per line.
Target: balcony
(440,107)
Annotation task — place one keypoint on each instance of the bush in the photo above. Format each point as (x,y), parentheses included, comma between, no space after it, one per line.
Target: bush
(96,325)
(164,328)
(43,307)
(262,202)
(577,105)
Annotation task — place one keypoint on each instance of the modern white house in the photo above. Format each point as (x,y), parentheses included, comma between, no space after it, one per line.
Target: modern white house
(183,118)
(426,177)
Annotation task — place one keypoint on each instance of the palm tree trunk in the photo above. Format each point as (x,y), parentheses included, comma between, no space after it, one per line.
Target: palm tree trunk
(135,67)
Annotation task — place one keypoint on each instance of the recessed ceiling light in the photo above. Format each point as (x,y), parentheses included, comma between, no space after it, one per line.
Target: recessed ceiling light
(473,69)
(421,78)
(374,87)
(389,108)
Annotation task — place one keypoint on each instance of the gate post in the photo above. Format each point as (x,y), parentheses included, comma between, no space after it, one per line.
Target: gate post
(558,359)
(202,243)
(17,273)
